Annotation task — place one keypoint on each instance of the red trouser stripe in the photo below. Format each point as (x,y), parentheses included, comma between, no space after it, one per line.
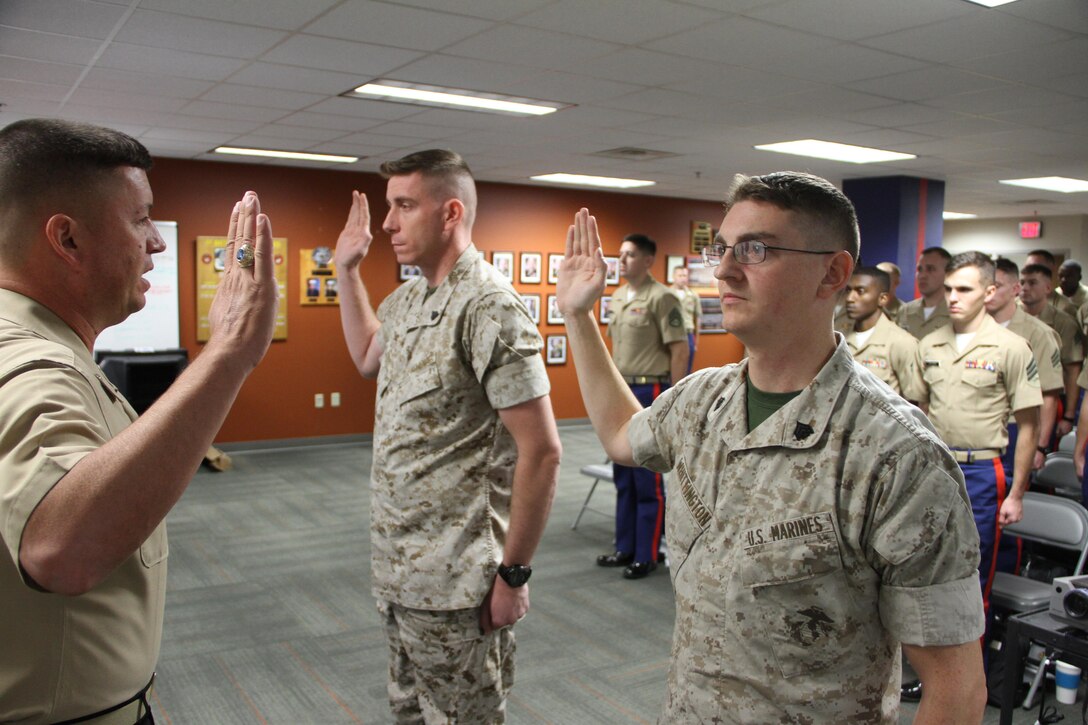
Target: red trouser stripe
(1002,490)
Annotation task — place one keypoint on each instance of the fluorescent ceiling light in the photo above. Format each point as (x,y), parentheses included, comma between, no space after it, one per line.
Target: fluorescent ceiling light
(1050,183)
(834,151)
(453,98)
(991,3)
(584,180)
(295,155)
(958,215)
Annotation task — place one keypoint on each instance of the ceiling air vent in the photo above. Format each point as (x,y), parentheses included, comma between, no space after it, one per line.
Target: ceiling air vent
(632,153)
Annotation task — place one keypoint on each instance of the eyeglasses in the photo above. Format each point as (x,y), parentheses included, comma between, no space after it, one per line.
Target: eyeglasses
(750,251)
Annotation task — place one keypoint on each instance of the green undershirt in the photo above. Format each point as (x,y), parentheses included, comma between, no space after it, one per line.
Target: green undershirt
(762,405)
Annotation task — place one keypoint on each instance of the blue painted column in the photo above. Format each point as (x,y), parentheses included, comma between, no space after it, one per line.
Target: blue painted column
(899,216)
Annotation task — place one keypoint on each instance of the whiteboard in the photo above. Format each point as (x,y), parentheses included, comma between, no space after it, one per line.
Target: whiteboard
(156,326)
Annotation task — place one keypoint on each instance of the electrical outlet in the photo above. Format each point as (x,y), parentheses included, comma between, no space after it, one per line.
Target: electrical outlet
(334,400)
(319,400)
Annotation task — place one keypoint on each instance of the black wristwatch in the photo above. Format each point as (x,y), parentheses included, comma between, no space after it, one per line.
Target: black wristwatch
(515,575)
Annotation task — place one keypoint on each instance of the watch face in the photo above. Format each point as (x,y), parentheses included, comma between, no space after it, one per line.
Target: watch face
(322,256)
(515,575)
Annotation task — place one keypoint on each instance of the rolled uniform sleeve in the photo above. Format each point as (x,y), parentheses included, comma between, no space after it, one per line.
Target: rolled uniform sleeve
(926,548)
(505,351)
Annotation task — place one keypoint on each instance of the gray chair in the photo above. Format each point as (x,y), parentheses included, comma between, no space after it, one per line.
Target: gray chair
(598,472)
(1059,473)
(1067,442)
(1050,520)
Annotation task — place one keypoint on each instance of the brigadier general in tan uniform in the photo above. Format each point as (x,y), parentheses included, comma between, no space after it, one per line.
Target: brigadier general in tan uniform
(930,311)
(84,484)
(650,347)
(817,523)
(887,350)
(977,373)
(466,452)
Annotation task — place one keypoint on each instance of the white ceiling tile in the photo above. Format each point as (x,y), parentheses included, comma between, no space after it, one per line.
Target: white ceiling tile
(900,114)
(36,45)
(164,61)
(927,83)
(225,125)
(10,89)
(543,48)
(109,116)
(631,22)
(1049,115)
(282,14)
(338,122)
(454,72)
(827,100)
(362,59)
(395,25)
(196,35)
(264,97)
(647,67)
(741,41)
(734,84)
(209,139)
(1065,14)
(37,71)
(1029,65)
(81,18)
(1037,101)
(570,88)
(358,107)
(417,130)
(293,78)
(845,63)
(968,36)
(212,109)
(150,84)
(298,133)
(854,19)
(123,100)
(274,143)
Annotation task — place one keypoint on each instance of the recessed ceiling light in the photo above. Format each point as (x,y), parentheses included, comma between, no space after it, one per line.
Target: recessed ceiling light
(294,155)
(584,180)
(1050,183)
(958,215)
(403,92)
(991,3)
(834,151)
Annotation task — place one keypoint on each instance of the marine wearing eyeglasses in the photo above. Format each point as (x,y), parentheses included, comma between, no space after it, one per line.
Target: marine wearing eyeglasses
(815,514)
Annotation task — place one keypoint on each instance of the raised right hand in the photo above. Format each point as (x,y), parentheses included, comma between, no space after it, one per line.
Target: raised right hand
(582,271)
(354,241)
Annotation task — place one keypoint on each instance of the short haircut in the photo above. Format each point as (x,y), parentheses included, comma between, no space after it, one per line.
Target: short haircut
(812,196)
(1045,254)
(448,175)
(645,245)
(1007,266)
(883,279)
(940,252)
(890,267)
(1040,269)
(46,158)
(978,260)
(1071,264)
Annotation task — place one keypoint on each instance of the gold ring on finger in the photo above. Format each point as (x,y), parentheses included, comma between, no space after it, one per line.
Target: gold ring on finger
(245,255)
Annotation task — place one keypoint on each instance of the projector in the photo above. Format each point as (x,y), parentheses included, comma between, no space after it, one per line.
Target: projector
(1069,602)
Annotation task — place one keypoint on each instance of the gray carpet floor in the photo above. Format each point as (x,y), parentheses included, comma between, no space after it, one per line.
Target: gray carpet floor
(269,617)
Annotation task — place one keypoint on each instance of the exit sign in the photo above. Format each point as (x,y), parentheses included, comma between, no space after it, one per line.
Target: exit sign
(1031,230)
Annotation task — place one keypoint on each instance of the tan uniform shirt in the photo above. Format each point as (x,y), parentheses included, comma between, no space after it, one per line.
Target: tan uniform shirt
(443,461)
(642,328)
(1078,298)
(1045,348)
(912,317)
(64,657)
(690,306)
(804,552)
(1063,303)
(892,308)
(972,393)
(1069,332)
(891,354)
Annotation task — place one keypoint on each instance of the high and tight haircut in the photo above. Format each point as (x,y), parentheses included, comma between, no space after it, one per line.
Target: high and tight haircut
(644,244)
(883,279)
(43,157)
(1009,267)
(979,261)
(1039,269)
(448,174)
(1045,254)
(1072,264)
(812,196)
(940,252)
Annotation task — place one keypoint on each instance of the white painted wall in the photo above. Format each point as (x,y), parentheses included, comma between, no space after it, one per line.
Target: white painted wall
(1065,236)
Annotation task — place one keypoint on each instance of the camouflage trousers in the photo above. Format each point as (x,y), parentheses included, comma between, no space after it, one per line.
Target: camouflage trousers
(443,669)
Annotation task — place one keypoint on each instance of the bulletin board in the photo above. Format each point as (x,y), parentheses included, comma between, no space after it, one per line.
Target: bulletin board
(209,268)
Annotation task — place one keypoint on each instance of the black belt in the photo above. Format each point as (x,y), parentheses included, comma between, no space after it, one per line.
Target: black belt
(979,454)
(134,711)
(646,379)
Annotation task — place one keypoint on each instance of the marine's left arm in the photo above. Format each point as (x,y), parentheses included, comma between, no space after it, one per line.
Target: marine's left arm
(678,360)
(953,683)
(532,426)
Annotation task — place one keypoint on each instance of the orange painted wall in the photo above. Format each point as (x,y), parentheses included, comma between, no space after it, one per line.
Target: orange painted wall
(309,206)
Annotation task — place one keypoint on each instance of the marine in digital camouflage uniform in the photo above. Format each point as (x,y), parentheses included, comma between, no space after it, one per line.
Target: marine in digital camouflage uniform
(817,522)
(466,451)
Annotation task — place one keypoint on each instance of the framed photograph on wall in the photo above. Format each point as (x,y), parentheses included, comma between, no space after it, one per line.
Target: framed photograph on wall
(612,276)
(710,321)
(504,262)
(553,268)
(408,271)
(556,347)
(532,303)
(673,263)
(530,267)
(554,316)
(606,309)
